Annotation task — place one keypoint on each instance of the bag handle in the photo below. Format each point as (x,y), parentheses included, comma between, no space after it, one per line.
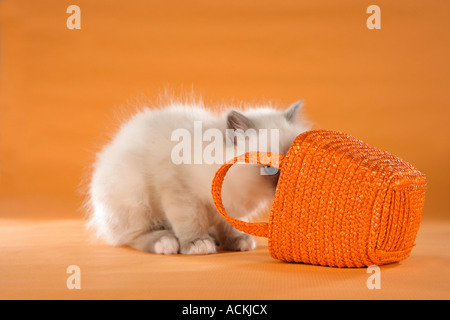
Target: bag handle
(260,229)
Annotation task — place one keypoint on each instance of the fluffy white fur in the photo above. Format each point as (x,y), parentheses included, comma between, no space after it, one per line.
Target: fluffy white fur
(140,198)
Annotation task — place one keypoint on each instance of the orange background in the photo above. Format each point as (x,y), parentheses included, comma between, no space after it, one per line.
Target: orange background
(62,92)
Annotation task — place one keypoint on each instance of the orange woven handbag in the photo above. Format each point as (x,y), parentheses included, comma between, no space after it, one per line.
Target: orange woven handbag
(339,202)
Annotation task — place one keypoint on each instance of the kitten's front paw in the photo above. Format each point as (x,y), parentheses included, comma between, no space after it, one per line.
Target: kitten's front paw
(199,246)
(167,245)
(243,242)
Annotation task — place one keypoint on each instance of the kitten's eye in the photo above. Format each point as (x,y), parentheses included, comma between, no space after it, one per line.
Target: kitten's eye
(269,171)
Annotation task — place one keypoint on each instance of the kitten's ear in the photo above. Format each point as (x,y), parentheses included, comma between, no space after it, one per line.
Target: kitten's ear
(236,120)
(292,112)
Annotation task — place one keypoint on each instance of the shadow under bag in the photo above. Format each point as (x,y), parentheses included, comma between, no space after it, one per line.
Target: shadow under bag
(339,202)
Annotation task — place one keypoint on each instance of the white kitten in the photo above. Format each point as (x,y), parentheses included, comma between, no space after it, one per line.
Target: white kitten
(141,198)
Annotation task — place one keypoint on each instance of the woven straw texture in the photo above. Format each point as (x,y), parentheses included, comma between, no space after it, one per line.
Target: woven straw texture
(339,202)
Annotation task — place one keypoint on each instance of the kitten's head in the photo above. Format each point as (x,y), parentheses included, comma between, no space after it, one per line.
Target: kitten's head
(279,129)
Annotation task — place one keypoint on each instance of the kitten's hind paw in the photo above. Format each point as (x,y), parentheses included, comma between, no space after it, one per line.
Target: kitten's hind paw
(198,246)
(166,245)
(158,241)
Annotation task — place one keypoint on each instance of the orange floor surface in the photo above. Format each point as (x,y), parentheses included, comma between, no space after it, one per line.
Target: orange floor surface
(36,255)
(63,92)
